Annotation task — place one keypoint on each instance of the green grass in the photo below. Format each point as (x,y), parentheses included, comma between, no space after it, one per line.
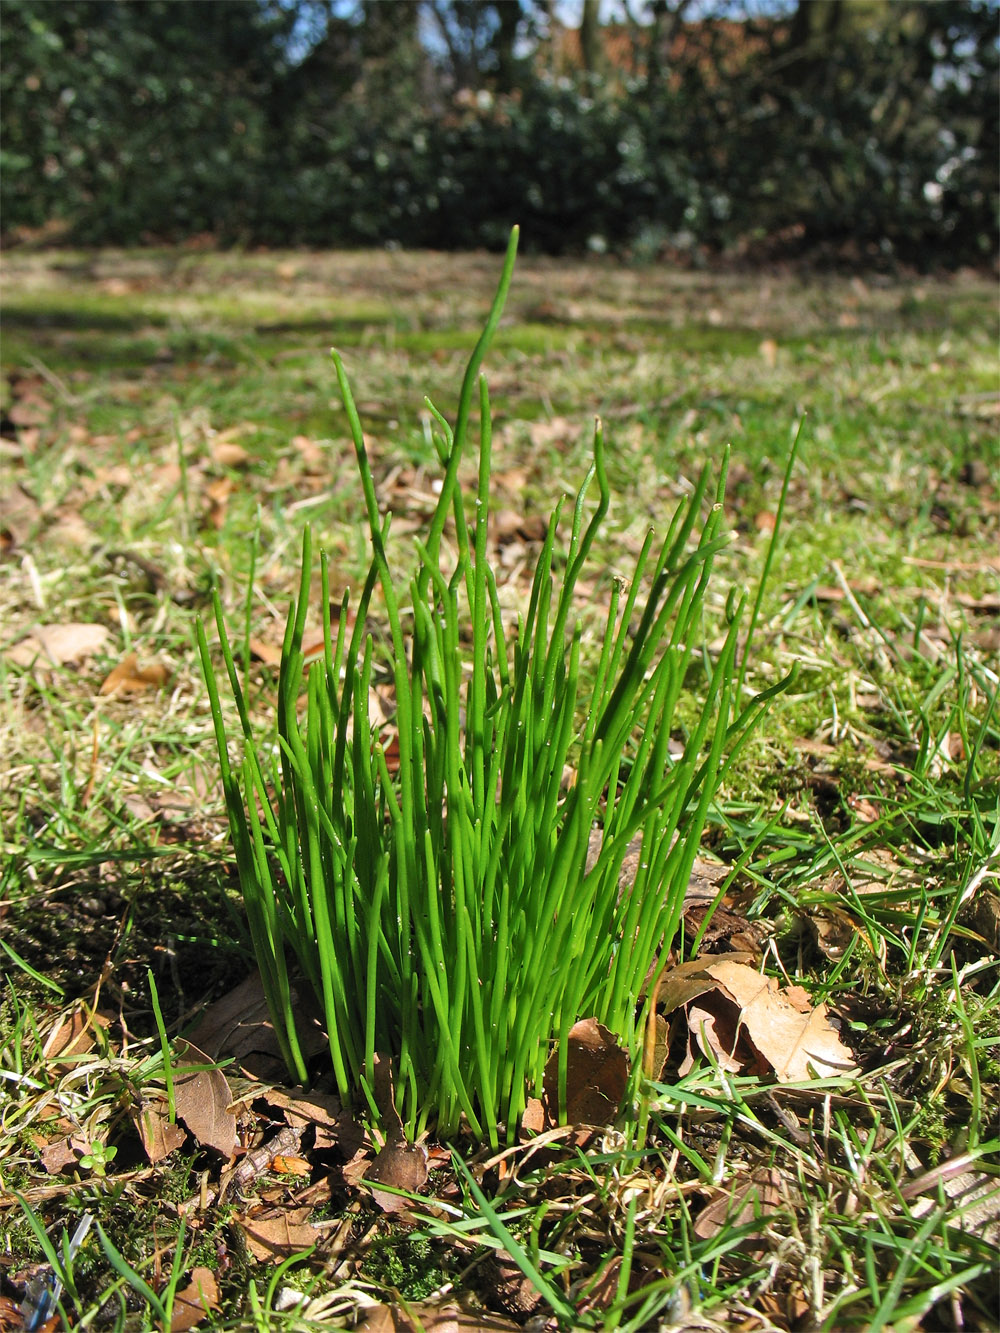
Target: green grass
(871,792)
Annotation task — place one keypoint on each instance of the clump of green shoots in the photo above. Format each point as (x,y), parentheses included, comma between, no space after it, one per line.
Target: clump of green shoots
(450,913)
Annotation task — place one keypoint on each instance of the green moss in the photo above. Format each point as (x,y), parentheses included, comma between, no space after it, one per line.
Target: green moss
(408,1265)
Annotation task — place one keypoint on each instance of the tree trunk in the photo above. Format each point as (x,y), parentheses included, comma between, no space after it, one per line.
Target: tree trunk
(590,37)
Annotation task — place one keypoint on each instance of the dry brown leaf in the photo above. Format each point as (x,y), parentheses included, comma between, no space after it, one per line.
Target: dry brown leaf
(865,811)
(30,410)
(403,1166)
(217,494)
(557,431)
(56,1156)
(726,932)
(226,451)
(747,1022)
(749,1201)
(198,1299)
(353,1171)
(239,1025)
(12,1317)
(686,982)
(657,1048)
(268,653)
(279,1234)
(986,606)
(73,1034)
(19,513)
(533,1121)
(128,677)
(202,1099)
(332,1126)
(290,1166)
(603,1288)
(507,524)
(159,1137)
(596,1075)
(718,1034)
(434,1319)
(833,930)
(313,457)
(57,645)
(505,1285)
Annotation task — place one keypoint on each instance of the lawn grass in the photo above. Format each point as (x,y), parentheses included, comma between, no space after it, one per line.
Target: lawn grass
(163,407)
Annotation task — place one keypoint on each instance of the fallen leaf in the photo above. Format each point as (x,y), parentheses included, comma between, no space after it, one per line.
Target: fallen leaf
(352,1173)
(73,1034)
(55,1157)
(719,1034)
(747,1022)
(268,653)
(332,1126)
(727,931)
(505,1285)
(400,1165)
(596,1075)
(12,1318)
(217,494)
(987,606)
(833,930)
(865,811)
(226,452)
(656,1048)
(279,1234)
(30,410)
(740,1204)
(290,1166)
(20,515)
(557,431)
(602,1289)
(202,1099)
(507,524)
(159,1137)
(57,645)
(433,1318)
(313,457)
(129,678)
(533,1121)
(198,1299)
(687,981)
(239,1025)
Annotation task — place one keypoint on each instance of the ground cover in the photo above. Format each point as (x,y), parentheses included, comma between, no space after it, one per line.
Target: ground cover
(162,408)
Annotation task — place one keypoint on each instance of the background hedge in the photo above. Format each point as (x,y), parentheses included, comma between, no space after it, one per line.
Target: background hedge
(868,128)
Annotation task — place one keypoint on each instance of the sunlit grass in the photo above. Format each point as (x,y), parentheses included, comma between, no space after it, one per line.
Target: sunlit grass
(883,761)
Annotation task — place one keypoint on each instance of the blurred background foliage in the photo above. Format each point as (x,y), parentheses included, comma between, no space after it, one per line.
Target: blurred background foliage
(855,130)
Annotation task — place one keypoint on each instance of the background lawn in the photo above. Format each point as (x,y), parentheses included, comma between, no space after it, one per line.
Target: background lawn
(161,406)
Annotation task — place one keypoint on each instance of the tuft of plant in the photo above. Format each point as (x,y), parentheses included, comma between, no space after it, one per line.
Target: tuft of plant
(459,910)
